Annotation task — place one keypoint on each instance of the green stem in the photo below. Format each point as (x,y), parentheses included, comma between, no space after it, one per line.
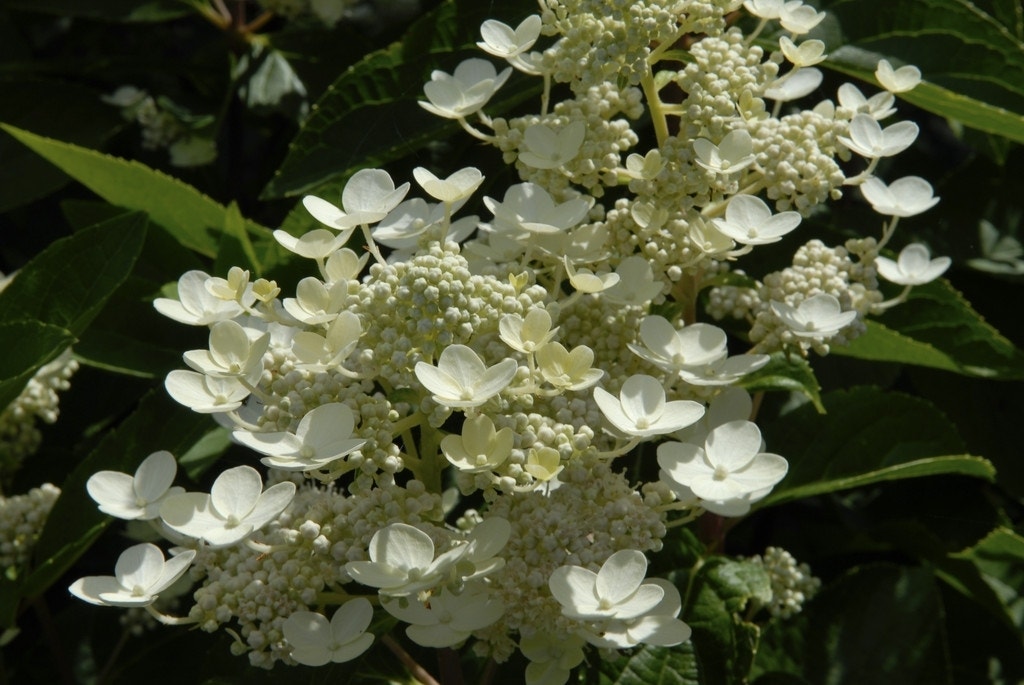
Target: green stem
(654,105)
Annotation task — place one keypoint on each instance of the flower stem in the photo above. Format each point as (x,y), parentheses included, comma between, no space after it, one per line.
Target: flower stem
(415,669)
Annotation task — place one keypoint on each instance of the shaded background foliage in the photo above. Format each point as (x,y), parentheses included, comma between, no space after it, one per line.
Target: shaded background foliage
(905,497)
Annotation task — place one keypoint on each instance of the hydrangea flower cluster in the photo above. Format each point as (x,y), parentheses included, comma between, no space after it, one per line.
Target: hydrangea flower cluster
(21,520)
(518,358)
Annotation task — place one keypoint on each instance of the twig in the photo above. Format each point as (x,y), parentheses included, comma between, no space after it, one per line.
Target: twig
(417,671)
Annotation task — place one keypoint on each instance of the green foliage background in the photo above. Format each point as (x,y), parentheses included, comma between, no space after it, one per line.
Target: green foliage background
(906,479)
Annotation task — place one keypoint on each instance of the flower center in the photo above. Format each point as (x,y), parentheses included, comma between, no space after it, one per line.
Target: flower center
(721,473)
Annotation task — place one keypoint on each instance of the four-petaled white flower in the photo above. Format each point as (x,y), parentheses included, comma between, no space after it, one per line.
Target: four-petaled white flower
(529,207)
(868,139)
(749,221)
(616,591)
(552,657)
(730,471)
(196,305)
(480,447)
(501,40)
(897,80)
(456,188)
(724,370)
(236,507)
(235,352)
(448,619)
(672,350)
(139,496)
(316,244)
(879,106)
(807,54)
(658,627)
(141,573)
(546,148)
(461,379)
(819,316)
(467,90)
(903,197)
(798,18)
(527,334)
(568,370)
(205,394)
(322,352)
(316,303)
(323,435)
(641,410)
(316,641)
(914,266)
(734,153)
(402,561)
(366,199)
(636,285)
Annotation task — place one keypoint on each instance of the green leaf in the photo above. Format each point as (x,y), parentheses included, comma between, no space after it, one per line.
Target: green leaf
(183,211)
(867,436)
(938,328)
(882,625)
(369,116)
(58,109)
(667,666)
(724,642)
(999,560)
(786,373)
(969,111)
(69,282)
(27,346)
(958,46)
(75,522)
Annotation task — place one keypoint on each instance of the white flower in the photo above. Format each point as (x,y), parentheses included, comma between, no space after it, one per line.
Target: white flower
(315,303)
(235,287)
(914,266)
(465,91)
(868,139)
(616,591)
(526,334)
(816,317)
(730,467)
(749,221)
(344,265)
(794,85)
(568,370)
(636,284)
(138,497)
(1000,254)
(402,561)
(734,153)
(906,196)
(646,166)
(552,657)
(457,187)
(798,18)
(528,207)
(317,244)
(196,305)
(367,198)
(897,80)
(878,106)
(549,149)
(807,54)
(586,281)
(317,352)
(480,447)
(401,228)
(723,371)
(460,378)
(501,40)
(641,409)
(236,507)
(323,435)
(205,394)
(764,9)
(235,352)
(447,619)
(316,642)
(732,404)
(671,350)
(659,627)
(139,576)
